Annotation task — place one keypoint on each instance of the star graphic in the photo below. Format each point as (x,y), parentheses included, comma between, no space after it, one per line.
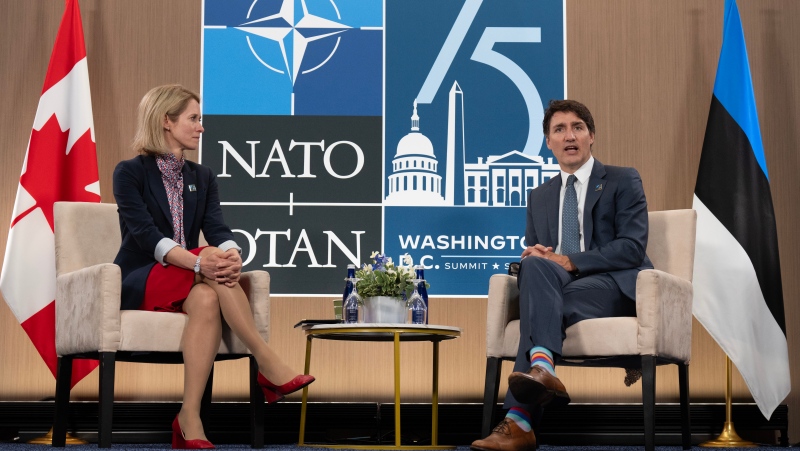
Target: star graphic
(495,266)
(294,35)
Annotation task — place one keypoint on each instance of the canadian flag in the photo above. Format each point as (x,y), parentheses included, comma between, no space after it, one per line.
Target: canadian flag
(60,165)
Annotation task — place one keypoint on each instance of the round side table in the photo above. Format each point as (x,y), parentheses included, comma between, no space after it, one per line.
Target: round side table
(396,333)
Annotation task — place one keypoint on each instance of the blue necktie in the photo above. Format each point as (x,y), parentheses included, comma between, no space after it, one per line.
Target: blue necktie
(570,228)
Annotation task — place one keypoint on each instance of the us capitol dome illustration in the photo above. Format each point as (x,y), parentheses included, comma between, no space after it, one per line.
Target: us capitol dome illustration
(414,179)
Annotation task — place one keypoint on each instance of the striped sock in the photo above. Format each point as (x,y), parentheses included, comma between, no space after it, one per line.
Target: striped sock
(542,357)
(521,417)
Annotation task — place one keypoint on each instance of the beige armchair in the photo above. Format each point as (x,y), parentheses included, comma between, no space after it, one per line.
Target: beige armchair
(661,333)
(90,324)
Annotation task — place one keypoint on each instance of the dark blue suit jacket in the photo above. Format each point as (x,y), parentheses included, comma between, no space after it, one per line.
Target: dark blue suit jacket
(145,219)
(614,224)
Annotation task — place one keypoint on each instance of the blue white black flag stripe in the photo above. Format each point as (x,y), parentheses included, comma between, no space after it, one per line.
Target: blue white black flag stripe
(737,278)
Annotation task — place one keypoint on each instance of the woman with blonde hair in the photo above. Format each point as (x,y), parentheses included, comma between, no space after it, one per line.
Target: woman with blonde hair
(164,201)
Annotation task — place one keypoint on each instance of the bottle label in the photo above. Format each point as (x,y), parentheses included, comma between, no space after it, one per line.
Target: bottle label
(418,316)
(351,316)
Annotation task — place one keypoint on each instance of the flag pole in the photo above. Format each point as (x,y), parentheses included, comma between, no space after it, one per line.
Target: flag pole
(728,438)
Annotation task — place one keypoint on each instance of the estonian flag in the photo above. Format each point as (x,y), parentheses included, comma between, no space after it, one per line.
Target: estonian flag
(737,276)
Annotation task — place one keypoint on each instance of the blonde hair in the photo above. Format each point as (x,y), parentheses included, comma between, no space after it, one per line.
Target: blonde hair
(160,102)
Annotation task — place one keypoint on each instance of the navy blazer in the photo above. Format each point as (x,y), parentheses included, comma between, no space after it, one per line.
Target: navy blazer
(145,219)
(614,224)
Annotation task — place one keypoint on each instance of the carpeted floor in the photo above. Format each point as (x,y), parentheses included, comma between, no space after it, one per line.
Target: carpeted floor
(27,447)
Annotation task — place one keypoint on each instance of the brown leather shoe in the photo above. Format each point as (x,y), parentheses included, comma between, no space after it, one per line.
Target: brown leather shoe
(538,386)
(506,436)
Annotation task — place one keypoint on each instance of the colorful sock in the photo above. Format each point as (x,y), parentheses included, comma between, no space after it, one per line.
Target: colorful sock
(521,417)
(542,357)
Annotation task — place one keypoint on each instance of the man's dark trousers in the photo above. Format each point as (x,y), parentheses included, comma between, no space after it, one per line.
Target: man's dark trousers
(551,300)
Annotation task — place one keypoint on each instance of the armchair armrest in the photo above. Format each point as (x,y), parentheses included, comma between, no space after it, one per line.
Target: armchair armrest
(503,307)
(256,287)
(664,313)
(87,309)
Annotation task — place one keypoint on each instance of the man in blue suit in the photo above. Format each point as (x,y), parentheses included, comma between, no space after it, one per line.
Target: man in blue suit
(586,236)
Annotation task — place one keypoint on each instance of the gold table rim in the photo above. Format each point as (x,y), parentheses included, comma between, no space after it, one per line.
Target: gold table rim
(317,331)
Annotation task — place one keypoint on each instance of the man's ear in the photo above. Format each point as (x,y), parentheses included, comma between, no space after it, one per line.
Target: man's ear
(547,141)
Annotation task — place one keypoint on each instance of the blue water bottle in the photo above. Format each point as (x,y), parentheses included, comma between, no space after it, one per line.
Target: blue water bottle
(348,285)
(418,312)
(353,308)
(423,292)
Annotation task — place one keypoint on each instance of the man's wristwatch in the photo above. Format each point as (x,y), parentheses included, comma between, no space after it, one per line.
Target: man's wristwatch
(197,265)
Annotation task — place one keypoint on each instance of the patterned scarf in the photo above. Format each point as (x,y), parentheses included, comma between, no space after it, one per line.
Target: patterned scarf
(171,175)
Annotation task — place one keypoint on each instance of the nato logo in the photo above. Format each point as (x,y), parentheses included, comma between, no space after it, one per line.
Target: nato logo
(293,57)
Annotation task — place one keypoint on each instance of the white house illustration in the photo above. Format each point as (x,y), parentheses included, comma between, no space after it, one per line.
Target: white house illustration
(506,180)
(501,181)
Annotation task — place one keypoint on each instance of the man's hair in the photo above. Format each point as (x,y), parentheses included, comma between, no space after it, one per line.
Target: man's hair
(161,101)
(567,106)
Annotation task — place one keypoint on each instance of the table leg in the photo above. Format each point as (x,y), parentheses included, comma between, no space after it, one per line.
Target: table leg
(304,402)
(435,399)
(397,389)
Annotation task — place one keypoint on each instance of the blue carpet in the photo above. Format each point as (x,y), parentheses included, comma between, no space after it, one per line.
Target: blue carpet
(27,447)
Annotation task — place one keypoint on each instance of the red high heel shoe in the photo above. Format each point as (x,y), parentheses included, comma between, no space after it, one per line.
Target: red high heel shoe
(292,386)
(270,395)
(180,442)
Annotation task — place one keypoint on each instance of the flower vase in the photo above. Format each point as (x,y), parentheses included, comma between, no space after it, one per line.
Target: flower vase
(385,309)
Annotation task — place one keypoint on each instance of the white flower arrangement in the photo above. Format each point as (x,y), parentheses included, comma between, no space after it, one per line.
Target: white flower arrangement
(384,278)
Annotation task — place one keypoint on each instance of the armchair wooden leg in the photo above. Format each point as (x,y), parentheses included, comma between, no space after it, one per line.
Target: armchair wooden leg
(686,420)
(492,385)
(106,408)
(649,401)
(63,380)
(256,408)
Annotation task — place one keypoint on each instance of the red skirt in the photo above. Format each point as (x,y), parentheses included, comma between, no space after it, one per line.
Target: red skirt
(167,287)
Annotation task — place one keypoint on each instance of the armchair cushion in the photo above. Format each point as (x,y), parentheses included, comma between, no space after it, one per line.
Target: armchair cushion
(162,331)
(151,331)
(602,337)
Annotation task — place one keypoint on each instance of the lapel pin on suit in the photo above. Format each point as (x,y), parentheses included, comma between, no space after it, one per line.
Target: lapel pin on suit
(599,187)
(192,188)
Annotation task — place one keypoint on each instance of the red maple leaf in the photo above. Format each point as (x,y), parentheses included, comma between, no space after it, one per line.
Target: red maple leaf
(53,175)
